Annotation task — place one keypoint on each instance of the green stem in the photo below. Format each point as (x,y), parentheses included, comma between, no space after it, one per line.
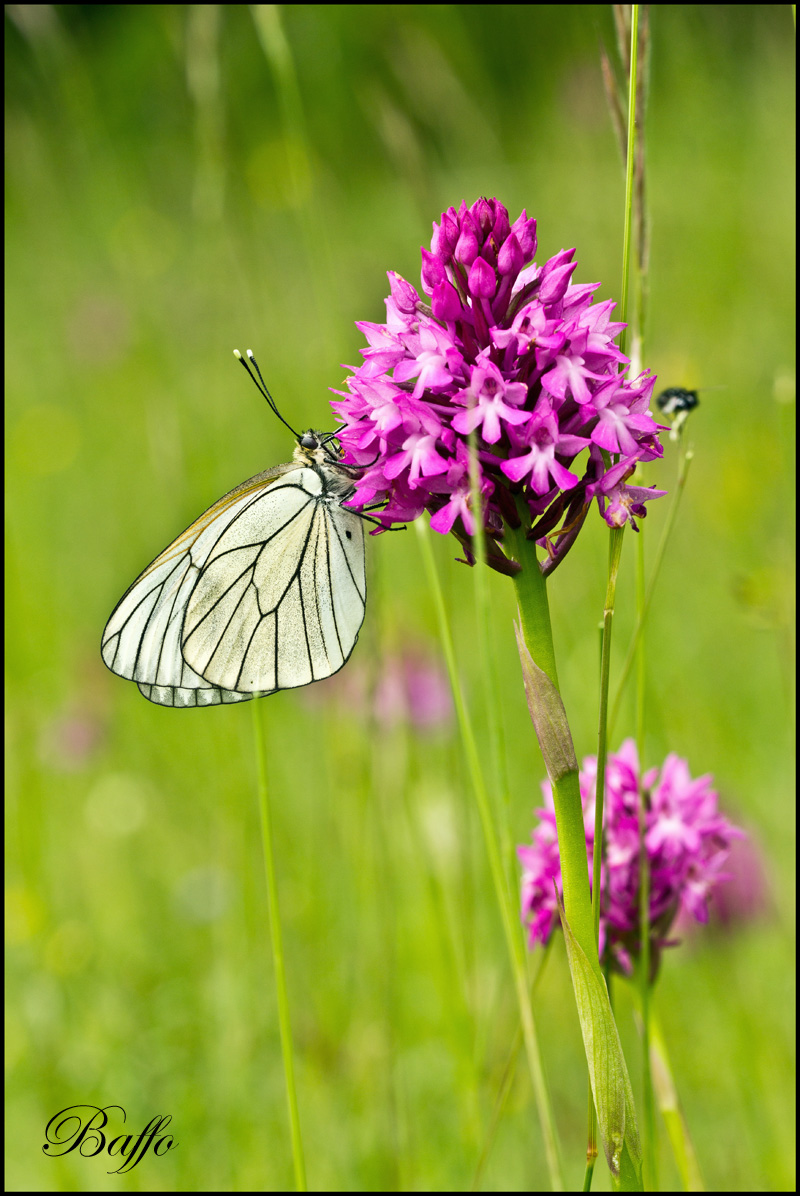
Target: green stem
(490,687)
(683,470)
(292,127)
(507,1081)
(608,1073)
(629,174)
(650,1172)
(509,917)
(534,608)
(614,553)
(669,1105)
(591,1148)
(636,167)
(535,618)
(277,954)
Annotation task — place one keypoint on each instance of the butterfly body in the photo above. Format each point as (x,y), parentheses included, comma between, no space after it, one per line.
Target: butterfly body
(265,591)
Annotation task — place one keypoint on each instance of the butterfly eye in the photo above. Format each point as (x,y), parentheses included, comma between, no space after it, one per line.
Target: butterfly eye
(309,441)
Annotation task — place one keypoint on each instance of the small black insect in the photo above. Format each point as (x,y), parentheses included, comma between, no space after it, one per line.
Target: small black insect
(676,402)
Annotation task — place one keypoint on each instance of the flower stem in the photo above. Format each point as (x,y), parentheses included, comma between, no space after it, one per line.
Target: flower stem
(534,608)
(511,930)
(277,954)
(611,1088)
(531,589)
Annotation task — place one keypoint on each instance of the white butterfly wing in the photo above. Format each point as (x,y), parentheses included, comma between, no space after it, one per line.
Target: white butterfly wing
(142,639)
(281,598)
(196,693)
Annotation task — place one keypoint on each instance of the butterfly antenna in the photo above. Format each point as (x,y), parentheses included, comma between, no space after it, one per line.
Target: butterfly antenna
(261,386)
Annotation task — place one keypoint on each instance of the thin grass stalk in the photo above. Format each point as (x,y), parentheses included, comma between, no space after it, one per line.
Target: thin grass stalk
(629,175)
(268,22)
(276,937)
(507,1080)
(666,1095)
(650,1169)
(615,550)
(203,84)
(271,35)
(490,686)
(683,470)
(591,1115)
(615,540)
(614,554)
(591,1143)
(509,919)
(635,168)
(641,656)
(461,1023)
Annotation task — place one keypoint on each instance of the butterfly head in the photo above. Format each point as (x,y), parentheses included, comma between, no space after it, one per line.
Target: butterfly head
(318,448)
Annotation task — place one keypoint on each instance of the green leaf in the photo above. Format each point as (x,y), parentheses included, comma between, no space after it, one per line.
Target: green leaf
(548,715)
(611,1086)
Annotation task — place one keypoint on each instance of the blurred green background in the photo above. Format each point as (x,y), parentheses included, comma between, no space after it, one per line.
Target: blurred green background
(186,179)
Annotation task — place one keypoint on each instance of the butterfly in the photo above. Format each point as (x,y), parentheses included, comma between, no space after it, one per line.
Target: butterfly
(265,591)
